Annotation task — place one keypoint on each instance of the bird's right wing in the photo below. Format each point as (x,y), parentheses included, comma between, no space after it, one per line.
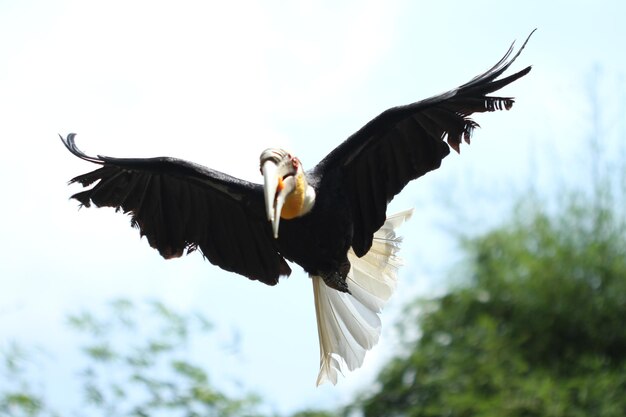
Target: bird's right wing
(180,207)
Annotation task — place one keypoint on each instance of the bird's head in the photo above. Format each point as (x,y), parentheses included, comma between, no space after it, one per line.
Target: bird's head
(287,193)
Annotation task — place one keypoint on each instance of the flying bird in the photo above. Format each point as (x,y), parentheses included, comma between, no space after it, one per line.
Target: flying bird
(331,220)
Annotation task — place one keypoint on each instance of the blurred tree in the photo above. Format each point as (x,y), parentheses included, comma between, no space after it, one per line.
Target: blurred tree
(313,413)
(18,396)
(136,363)
(536,330)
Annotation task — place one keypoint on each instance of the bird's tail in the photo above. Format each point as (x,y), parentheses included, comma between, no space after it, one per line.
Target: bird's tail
(348,325)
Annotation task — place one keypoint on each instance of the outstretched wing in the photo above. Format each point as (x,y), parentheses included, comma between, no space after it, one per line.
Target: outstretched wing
(180,207)
(403,143)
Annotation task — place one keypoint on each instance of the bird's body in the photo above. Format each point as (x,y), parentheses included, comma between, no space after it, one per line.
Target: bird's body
(323,250)
(330,220)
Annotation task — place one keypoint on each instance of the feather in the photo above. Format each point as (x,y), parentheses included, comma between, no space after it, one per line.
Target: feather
(348,324)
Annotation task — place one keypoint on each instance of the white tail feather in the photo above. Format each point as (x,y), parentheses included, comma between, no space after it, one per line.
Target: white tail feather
(349,325)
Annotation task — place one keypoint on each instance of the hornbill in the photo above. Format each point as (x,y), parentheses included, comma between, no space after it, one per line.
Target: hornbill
(330,220)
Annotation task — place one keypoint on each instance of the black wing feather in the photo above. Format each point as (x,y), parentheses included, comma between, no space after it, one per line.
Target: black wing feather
(180,207)
(403,143)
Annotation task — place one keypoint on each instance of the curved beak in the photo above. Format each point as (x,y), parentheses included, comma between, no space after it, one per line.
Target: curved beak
(277,186)
(270,176)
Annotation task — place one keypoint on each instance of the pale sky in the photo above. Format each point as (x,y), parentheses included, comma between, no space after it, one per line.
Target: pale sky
(216,83)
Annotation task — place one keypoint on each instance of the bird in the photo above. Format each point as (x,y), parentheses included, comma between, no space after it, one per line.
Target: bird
(330,220)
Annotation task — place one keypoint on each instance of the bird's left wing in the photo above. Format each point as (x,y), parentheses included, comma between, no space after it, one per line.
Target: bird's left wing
(180,207)
(403,143)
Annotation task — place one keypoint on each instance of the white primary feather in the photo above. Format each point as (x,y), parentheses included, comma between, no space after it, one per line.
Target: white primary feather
(349,325)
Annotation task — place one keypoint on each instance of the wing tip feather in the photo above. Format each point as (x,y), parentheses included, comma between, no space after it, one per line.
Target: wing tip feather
(70,144)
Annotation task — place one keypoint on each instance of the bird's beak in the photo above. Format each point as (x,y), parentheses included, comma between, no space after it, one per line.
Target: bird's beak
(270,175)
(276,188)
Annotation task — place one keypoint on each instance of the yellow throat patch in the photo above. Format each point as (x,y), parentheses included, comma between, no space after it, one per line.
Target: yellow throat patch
(294,202)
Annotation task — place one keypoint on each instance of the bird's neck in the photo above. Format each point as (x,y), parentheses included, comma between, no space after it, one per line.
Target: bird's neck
(300,201)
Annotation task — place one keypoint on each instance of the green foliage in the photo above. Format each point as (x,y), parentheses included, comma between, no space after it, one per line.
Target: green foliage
(537,329)
(137,364)
(19,397)
(312,413)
